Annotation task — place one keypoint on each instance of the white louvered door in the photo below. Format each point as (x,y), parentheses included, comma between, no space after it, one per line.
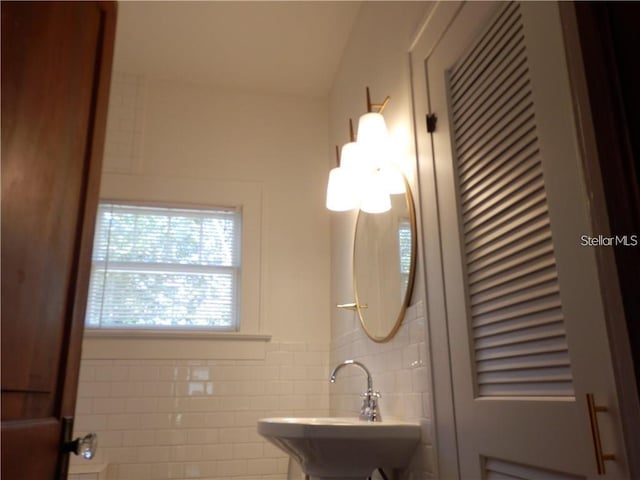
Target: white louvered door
(514,306)
(527,337)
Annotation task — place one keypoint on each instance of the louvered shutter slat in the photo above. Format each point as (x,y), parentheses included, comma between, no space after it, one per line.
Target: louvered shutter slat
(532,361)
(509,287)
(487,126)
(519,351)
(514,299)
(494,102)
(530,203)
(497,469)
(476,168)
(471,64)
(497,200)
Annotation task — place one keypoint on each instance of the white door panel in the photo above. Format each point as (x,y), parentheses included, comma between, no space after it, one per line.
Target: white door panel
(525,322)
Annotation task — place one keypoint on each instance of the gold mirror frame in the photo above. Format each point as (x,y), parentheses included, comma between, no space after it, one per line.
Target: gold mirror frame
(410,281)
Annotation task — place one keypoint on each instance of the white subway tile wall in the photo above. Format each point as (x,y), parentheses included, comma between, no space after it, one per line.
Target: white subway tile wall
(401,373)
(195,419)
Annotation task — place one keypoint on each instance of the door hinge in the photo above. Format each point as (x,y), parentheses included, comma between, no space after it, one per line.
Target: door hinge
(431,122)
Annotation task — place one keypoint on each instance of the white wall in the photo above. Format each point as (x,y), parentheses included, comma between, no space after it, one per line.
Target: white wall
(377,56)
(274,144)
(174,413)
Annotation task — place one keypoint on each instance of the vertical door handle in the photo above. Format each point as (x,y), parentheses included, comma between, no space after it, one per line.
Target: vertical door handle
(595,434)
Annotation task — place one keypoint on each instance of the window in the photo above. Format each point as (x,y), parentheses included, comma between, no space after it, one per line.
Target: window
(404,244)
(165,268)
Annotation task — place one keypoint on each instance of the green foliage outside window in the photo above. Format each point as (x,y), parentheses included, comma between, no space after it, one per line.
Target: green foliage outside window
(165,267)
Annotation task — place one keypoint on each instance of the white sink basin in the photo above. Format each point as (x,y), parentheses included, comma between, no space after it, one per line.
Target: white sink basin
(342,448)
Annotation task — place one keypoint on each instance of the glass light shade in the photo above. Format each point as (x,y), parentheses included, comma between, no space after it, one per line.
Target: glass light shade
(393,180)
(373,139)
(372,129)
(375,198)
(341,194)
(355,164)
(352,158)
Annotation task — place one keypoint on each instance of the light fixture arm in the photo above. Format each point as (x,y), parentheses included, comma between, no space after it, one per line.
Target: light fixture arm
(379,106)
(352,135)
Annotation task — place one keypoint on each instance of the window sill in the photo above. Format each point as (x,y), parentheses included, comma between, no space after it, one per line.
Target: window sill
(173,345)
(154,333)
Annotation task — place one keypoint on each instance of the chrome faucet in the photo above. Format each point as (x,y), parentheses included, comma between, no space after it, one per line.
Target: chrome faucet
(369,410)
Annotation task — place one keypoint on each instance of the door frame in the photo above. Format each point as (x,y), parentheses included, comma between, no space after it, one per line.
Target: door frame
(445,435)
(444,422)
(594,87)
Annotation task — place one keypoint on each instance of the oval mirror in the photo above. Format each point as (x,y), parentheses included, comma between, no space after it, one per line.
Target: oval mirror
(384,258)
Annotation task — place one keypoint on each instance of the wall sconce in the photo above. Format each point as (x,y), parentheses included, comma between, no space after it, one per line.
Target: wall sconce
(343,190)
(365,175)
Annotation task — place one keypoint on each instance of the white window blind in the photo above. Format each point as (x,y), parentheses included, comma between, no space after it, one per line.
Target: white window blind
(165,268)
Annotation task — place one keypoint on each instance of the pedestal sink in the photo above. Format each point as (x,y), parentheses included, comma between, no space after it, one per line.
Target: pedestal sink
(342,448)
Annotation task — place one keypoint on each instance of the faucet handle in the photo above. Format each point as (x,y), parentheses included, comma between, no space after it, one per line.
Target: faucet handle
(369,410)
(368,395)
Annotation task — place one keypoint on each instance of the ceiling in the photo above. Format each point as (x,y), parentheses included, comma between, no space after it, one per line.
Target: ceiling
(267,46)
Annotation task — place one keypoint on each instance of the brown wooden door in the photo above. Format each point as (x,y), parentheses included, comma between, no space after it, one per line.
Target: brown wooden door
(56,67)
